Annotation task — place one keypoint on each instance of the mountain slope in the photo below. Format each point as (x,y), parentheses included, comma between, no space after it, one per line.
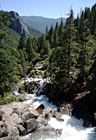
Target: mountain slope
(34,32)
(18,25)
(40,23)
(14,38)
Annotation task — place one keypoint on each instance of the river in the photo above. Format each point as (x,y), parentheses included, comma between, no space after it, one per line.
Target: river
(72,128)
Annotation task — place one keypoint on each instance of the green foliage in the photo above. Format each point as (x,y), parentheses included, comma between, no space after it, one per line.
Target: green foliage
(8,70)
(22,43)
(29,50)
(44,46)
(21,97)
(34,32)
(33,73)
(7,99)
(1,112)
(58,67)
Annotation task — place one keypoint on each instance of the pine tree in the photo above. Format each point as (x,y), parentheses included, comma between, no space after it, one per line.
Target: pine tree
(22,43)
(70,44)
(86,47)
(29,50)
(8,70)
(51,36)
(22,63)
(56,39)
(46,29)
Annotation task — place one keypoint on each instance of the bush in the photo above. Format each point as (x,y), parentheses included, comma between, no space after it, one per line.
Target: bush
(33,73)
(7,99)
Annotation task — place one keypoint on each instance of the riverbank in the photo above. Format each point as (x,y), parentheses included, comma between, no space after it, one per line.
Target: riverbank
(35,114)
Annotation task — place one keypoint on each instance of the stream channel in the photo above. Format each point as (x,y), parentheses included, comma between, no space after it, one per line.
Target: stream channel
(72,128)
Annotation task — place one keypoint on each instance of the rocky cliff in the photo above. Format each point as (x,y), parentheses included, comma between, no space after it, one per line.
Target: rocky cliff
(18,25)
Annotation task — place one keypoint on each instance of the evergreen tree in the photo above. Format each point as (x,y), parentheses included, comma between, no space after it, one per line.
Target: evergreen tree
(46,29)
(29,50)
(22,63)
(70,44)
(8,71)
(58,71)
(56,39)
(86,47)
(51,36)
(60,34)
(56,28)
(22,43)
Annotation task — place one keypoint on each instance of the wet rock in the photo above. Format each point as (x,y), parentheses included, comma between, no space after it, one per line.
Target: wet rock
(40,109)
(42,121)
(46,131)
(3,129)
(57,115)
(65,109)
(30,125)
(22,130)
(48,113)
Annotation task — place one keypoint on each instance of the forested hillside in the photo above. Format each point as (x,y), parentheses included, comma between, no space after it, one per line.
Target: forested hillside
(69,52)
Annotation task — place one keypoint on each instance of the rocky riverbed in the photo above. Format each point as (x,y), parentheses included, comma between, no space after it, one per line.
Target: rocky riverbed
(20,119)
(34,114)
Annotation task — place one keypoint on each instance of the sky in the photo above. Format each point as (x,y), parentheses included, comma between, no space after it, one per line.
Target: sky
(45,8)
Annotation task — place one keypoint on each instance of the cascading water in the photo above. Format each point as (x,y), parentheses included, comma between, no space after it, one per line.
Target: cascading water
(72,128)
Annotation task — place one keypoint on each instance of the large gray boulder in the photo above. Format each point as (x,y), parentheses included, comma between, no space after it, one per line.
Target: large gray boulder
(30,125)
(22,130)
(18,25)
(16,114)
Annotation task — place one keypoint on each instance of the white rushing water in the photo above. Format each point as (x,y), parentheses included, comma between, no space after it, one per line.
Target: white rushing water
(72,128)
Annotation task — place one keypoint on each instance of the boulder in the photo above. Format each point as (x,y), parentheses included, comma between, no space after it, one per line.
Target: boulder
(65,109)
(40,109)
(13,134)
(26,116)
(30,125)
(22,130)
(57,115)
(33,111)
(42,121)
(20,108)
(17,114)
(48,113)
(3,129)
(46,132)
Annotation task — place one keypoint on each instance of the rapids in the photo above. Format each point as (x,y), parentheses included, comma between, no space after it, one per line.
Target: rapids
(72,128)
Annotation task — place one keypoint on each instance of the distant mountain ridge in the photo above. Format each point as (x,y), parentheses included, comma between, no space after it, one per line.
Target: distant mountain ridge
(39,23)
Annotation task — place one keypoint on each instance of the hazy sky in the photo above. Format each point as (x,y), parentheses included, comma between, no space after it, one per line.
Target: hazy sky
(46,8)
